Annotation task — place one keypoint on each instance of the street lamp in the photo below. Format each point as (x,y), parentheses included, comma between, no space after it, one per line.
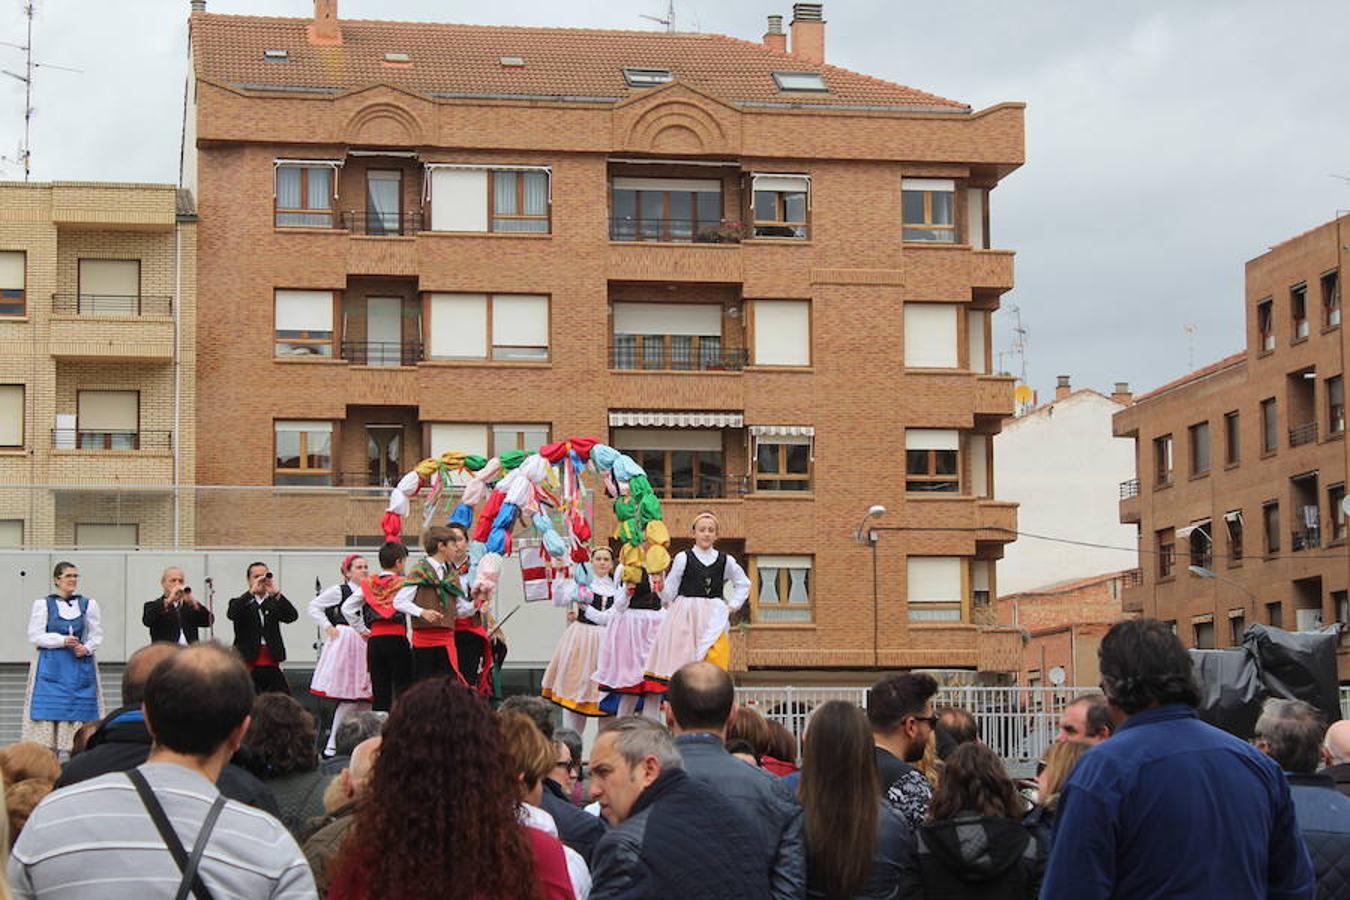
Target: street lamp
(870,537)
(873,512)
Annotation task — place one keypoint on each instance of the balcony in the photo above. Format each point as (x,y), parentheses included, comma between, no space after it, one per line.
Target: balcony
(663,356)
(1132,590)
(382,353)
(96,326)
(996,520)
(1305,539)
(676,231)
(112,306)
(371,223)
(993,396)
(87,457)
(80,439)
(1129,489)
(1129,501)
(1303,434)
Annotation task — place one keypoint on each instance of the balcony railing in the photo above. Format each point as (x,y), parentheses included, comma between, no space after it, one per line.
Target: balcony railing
(111,305)
(1132,577)
(705,487)
(1306,538)
(1129,489)
(381,224)
(677,231)
(84,439)
(1303,434)
(654,357)
(382,353)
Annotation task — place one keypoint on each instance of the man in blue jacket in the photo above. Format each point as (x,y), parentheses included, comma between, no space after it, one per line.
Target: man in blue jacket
(1290,732)
(1169,806)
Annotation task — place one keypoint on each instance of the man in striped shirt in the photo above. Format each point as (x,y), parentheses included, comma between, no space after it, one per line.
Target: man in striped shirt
(97,838)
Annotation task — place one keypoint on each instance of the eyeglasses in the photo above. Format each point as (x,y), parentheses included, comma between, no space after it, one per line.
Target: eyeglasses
(69,575)
(931,720)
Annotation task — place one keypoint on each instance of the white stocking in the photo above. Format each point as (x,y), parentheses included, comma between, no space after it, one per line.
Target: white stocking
(574,720)
(651,707)
(627,703)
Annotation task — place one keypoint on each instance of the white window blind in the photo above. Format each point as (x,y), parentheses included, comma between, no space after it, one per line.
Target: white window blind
(928,184)
(975,216)
(11,415)
(11,270)
(932,439)
(979,574)
(304,311)
(783,562)
(458,326)
(979,464)
(975,328)
(930,336)
(519,320)
(11,533)
(799,184)
(459,200)
(109,411)
(933,579)
(699,185)
(110,278)
(87,535)
(313,427)
(668,439)
(506,437)
(699,319)
(782,332)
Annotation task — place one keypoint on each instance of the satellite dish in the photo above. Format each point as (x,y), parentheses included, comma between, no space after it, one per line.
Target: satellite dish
(1023,394)
(1057,676)
(1345,504)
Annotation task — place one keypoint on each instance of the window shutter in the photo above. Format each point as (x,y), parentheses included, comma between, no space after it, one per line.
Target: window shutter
(459,200)
(519,320)
(933,579)
(458,326)
(304,311)
(782,333)
(930,336)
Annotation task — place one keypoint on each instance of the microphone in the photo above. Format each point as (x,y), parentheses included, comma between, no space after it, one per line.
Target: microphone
(209,580)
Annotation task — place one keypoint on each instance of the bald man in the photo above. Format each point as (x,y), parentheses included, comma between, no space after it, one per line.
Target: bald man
(175,616)
(327,839)
(1337,747)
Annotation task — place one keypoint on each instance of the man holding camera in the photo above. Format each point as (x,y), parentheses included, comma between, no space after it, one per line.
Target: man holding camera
(258,615)
(176,616)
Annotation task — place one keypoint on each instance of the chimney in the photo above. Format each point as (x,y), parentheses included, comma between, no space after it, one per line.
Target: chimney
(1062,388)
(1122,393)
(808,32)
(775,39)
(198,6)
(324,29)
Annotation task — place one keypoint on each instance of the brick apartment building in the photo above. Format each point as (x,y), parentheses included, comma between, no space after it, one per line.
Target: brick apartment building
(1064,624)
(1241,465)
(97,348)
(767,278)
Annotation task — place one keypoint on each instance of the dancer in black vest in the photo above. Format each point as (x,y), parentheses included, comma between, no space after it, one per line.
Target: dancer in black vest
(341,672)
(370,610)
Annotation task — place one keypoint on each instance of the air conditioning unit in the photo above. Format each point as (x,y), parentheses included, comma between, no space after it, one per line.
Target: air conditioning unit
(1308,619)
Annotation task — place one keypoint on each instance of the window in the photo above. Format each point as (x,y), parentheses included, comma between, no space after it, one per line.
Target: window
(13,300)
(506,438)
(1204,633)
(1232,440)
(933,588)
(1165,544)
(304,323)
(978,450)
(1275,614)
(928,208)
(1265,324)
(681,463)
(1232,520)
(1340,603)
(304,196)
(1270,525)
(977,340)
(1331,299)
(11,415)
(1270,435)
(932,463)
(1202,544)
(384,202)
(1335,499)
(781,203)
(1162,460)
(11,534)
(1298,311)
(671,336)
(781,588)
(781,331)
(89,534)
(646,77)
(1199,438)
(484,440)
(509,327)
(520,201)
(109,287)
(783,463)
(1237,624)
(931,336)
(666,209)
(108,420)
(1335,405)
(304,453)
(800,81)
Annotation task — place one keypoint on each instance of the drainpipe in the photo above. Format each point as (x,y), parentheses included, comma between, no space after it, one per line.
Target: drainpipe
(177,374)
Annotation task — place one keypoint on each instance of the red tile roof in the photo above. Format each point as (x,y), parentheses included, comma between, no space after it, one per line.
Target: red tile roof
(559,62)
(1211,369)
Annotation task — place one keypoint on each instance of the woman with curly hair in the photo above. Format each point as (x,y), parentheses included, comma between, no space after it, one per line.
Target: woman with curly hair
(281,740)
(444,823)
(973,844)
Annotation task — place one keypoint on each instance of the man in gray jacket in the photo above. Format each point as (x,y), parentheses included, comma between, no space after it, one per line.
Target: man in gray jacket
(701,702)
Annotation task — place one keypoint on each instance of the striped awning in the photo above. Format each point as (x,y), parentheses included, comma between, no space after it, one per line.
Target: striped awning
(630,418)
(782,431)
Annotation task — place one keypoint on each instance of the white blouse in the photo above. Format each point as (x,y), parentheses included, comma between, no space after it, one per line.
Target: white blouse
(66,609)
(740,582)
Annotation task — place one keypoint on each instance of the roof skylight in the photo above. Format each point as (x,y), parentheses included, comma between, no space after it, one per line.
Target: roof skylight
(276,55)
(397,58)
(800,81)
(646,77)
(513,61)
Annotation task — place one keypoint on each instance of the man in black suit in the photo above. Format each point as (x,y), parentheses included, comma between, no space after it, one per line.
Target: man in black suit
(258,614)
(176,615)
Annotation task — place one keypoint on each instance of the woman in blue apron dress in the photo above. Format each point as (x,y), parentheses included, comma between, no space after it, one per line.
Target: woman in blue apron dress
(63,691)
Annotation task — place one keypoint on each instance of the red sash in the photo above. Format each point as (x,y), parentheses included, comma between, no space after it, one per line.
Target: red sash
(434,636)
(383,629)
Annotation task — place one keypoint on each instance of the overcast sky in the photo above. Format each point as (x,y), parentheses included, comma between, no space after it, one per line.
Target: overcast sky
(1167,142)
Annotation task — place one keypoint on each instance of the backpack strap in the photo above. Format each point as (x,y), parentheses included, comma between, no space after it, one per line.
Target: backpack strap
(191,880)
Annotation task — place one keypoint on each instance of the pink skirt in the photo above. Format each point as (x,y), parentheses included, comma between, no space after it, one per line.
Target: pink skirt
(341,672)
(691,626)
(623,652)
(567,680)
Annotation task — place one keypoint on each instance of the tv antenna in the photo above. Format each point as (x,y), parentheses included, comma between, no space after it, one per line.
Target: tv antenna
(25,153)
(668,21)
(1190,331)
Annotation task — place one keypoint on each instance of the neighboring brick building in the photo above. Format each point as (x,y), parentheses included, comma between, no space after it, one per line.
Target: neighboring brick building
(1241,465)
(767,278)
(1063,624)
(97,349)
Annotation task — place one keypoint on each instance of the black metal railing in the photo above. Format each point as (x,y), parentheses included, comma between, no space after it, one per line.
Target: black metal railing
(677,231)
(1305,538)
(1132,577)
(678,358)
(382,353)
(381,224)
(1129,489)
(795,230)
(84,304)
(1303,434)
(93,439)
(704,487)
